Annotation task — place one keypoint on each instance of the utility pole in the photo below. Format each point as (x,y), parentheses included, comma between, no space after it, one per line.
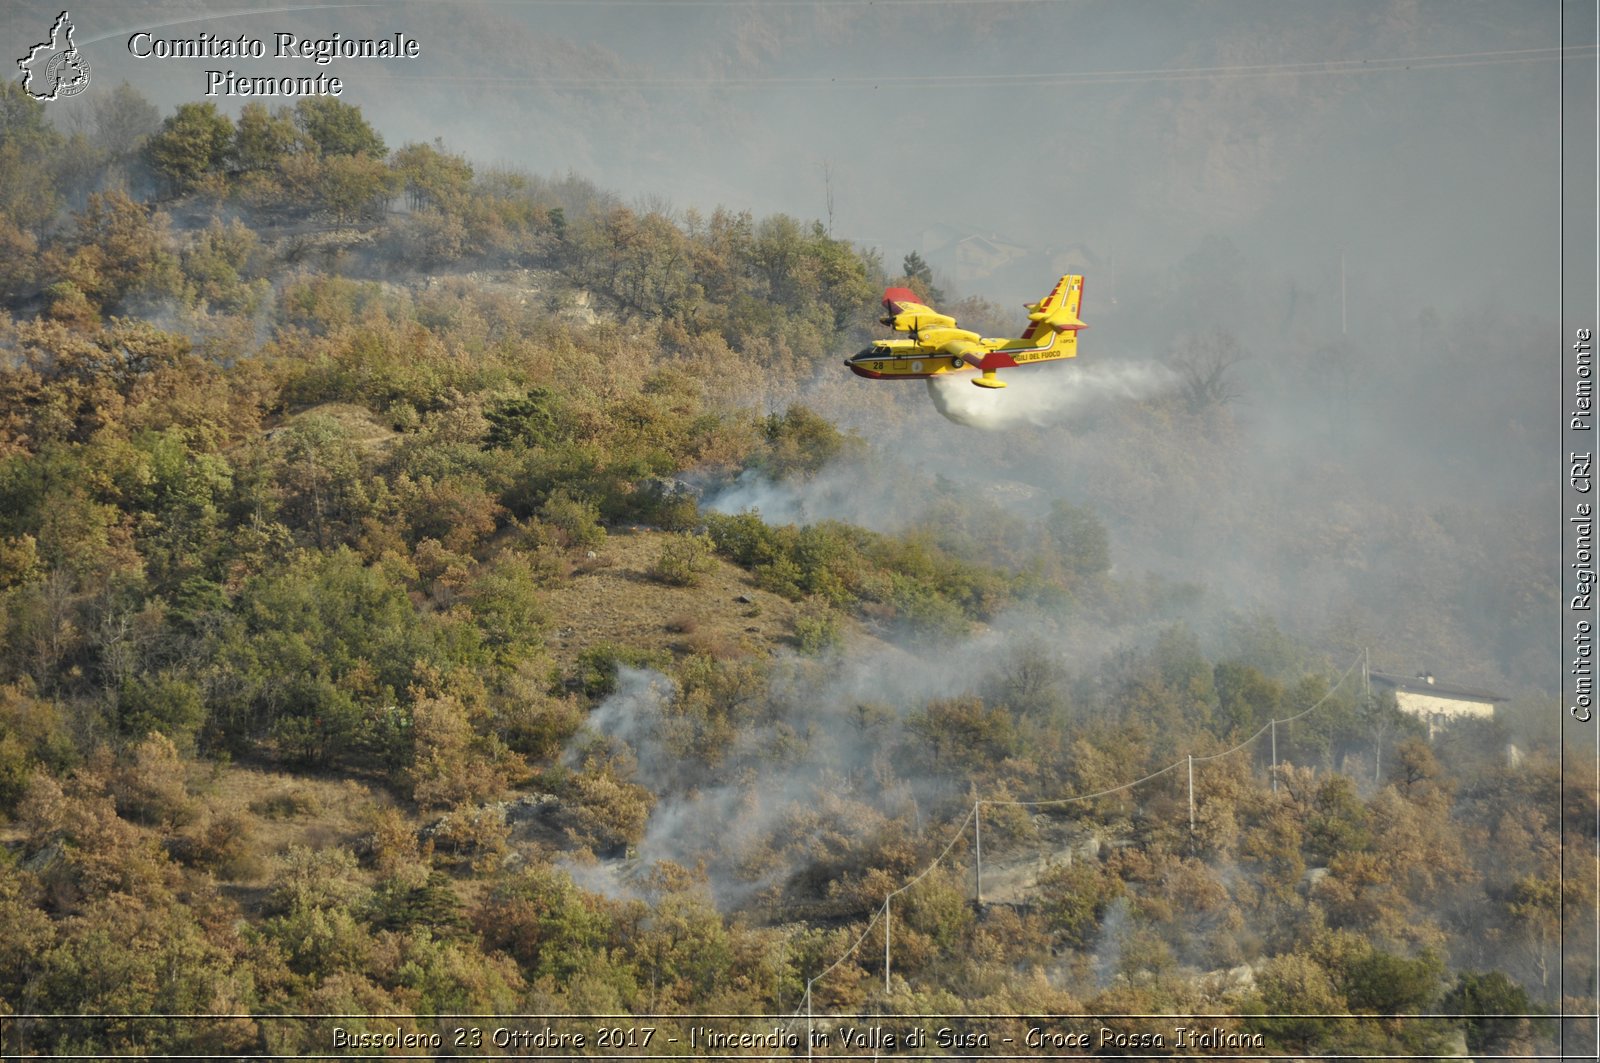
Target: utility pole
(886,946)
(1343,329)
(977,834)
(1274,756)
(811,1030)
(1191,793)
(827,191)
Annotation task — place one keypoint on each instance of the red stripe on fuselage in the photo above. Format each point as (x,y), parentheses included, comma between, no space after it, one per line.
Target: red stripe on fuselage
(873,374)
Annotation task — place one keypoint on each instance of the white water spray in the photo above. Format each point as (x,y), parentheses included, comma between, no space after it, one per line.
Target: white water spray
(1047,394)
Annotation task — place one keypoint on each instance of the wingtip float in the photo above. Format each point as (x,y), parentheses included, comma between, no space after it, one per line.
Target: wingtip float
(936,346)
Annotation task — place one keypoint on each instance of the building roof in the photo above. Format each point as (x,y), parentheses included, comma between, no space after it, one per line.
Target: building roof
(992,244)
(1414,684)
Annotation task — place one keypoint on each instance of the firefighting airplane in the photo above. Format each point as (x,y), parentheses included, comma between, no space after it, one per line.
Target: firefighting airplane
(936,346)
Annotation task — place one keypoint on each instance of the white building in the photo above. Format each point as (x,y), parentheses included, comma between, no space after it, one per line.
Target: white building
(1437,703)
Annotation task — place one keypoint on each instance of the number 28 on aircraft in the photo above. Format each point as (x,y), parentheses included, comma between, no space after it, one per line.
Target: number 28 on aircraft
(936,346)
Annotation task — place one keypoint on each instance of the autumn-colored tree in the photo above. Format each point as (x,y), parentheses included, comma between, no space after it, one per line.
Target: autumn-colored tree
(354,186)
(451,763)
(545,922)
(122,250)
(962,732)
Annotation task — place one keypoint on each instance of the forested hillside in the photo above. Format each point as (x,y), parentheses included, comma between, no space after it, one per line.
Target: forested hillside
(371,644)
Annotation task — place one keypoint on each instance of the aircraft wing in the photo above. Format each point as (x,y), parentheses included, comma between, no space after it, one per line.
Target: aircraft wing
(907,313)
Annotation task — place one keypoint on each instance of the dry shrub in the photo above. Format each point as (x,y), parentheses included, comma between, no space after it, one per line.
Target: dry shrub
(42,809)
(537,724)
(223,843)
(718,647)
(611,813)
(149,788)
(452,763)
(287,804)
(684,560)
(391,842)
(476,834)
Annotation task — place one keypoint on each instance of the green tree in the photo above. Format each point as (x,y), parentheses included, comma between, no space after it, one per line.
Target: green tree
(1083,547)
(1031,681)
(164,704)
(19,252)
(27,145)
(337,128)
(354,186)
(1534,904)
(1074,897)
(1338,821)
(1485,996)
(964,732)
(685,560)
(1293,990)
(684,950)
(800,442)
(1246,699)
(318,655)
(545,922)
(124,119)
(432,177)
(219,265)
(22,118)
(1385,984)
(451,763)
(920,276)
(319,471)
(193,142)
(263,138)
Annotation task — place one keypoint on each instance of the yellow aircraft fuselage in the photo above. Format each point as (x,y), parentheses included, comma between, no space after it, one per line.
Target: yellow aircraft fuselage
(937,347)
(914,359)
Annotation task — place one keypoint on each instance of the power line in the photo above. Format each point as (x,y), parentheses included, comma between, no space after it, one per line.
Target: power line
(975,812)
(1271,724)
(1441,61)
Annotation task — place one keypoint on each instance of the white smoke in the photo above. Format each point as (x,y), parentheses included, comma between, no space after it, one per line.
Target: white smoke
(1046,394)
(718,818)
(878,497)
(1106,959)
(632,714)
